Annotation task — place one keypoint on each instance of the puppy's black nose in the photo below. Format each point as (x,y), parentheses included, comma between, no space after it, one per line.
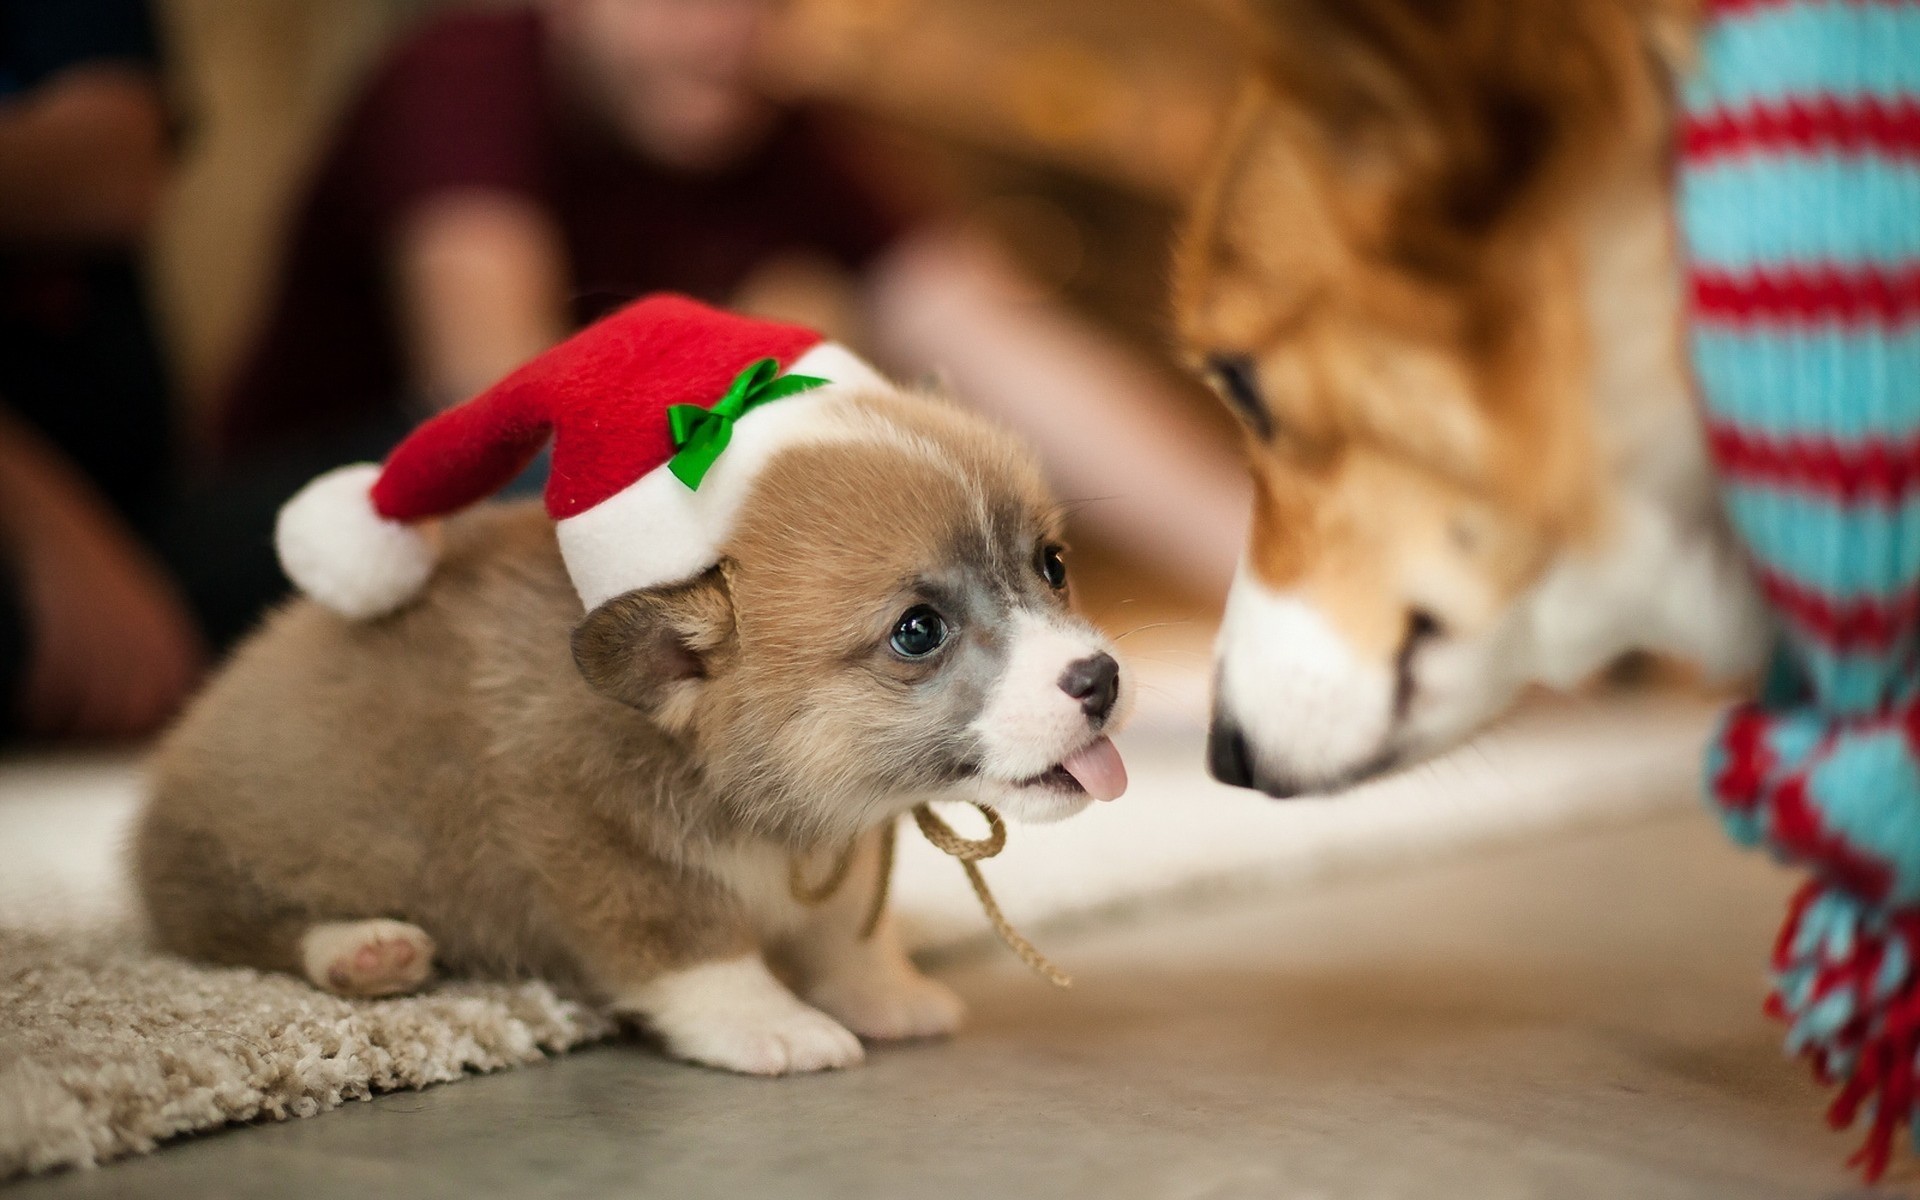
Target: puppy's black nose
(1227,756)
(1094,681)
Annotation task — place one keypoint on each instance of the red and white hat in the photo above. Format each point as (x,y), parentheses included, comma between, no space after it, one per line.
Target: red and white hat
(640,494)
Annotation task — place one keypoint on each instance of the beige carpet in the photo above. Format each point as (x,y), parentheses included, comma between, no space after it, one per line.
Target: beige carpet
(107,1049)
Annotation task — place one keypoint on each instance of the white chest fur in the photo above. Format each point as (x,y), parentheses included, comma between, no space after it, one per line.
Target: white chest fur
(1647,425)
(1665,574)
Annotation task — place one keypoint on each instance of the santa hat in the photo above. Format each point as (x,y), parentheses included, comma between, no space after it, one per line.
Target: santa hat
(661,416)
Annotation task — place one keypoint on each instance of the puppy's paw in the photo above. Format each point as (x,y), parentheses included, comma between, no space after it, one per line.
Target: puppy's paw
(738,1017)
(800,1039)
(891,1003)
(367,958)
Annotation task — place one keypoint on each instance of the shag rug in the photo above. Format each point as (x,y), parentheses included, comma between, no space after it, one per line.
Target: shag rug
(107,1049)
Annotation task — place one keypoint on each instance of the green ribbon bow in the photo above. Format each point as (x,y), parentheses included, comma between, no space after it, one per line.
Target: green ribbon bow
(700,434)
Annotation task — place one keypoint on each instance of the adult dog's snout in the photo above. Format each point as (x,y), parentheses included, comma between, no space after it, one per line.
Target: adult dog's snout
(1227,757)
(1095,682)
(1230,760)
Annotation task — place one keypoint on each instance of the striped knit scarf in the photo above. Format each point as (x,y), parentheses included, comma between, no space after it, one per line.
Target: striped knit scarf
(1800,204)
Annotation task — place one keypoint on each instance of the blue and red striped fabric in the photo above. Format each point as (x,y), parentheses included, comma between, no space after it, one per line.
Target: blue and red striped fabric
(1800,204)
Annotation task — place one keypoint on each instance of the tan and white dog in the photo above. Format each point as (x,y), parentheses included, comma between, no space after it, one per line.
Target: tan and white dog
(491,780)
(1433,274)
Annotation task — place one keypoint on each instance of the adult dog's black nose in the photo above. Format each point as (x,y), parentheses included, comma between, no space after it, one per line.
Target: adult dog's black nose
(1094,681)
(1227,757)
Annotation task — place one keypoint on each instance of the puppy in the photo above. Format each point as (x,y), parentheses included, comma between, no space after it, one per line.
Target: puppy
(491,781)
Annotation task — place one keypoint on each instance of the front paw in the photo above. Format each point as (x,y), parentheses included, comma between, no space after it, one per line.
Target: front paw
(801,1039)
(738,1017)
(891,1005)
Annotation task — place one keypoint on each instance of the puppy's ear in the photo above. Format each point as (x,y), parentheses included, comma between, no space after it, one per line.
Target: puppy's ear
(653,648)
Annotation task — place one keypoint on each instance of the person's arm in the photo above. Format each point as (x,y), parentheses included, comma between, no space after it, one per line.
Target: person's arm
(112,651)
(83,157)
(1155,479)
(481,279)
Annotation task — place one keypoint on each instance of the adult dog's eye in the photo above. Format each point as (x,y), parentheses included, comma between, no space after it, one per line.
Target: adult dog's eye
(1237,378)
(919,632)
(1053,566)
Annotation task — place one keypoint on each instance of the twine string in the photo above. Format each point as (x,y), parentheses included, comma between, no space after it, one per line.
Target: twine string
(812,894)
(878,905)
(970,852)
(967,851)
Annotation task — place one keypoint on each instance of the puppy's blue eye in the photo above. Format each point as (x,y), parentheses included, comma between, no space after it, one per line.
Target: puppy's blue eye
(1053,566)
(919,632)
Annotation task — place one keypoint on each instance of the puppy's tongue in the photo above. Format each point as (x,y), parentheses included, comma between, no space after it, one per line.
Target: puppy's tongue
(1099,770)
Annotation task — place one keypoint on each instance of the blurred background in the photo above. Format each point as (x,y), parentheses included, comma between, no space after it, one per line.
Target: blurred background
(247,242)
(1071,129)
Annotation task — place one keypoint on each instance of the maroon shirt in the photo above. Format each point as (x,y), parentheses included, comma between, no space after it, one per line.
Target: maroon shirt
(470,101)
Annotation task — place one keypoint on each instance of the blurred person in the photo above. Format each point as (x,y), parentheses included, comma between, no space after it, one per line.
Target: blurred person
(506,176)
(95,638)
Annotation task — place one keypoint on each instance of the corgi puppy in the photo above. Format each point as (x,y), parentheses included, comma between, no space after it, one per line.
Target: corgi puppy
(626,800)
(1432,273)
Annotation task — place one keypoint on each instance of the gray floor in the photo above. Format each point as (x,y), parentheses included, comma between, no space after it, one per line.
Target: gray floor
(1571,1019)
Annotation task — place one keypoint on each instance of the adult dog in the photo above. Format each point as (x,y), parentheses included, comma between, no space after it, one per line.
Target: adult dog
(1433,273)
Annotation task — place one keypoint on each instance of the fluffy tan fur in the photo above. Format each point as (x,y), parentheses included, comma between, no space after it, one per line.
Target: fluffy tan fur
(610,801)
